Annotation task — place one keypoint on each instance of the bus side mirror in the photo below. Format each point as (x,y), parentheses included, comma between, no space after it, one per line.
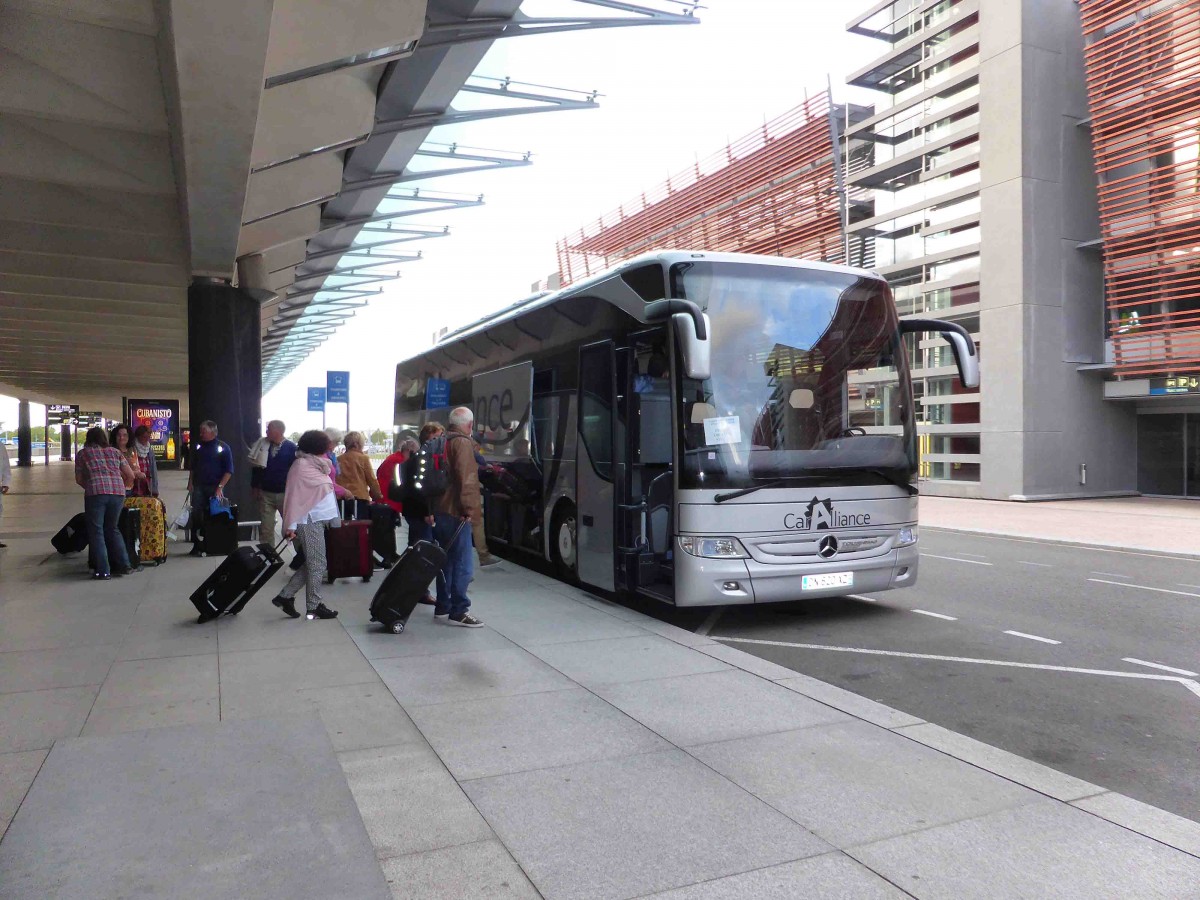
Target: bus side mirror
(694,349)
(692,328)
(965,354)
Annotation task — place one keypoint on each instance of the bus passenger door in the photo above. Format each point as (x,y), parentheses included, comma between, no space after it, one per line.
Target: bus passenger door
(648,487)
(595,470)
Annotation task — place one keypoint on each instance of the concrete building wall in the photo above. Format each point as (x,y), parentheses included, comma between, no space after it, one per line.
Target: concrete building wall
(1041,294)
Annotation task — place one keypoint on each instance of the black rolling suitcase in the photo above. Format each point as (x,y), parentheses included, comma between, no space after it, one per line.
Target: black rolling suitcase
(72,537)
(130,526)
(407,583)
(383,535)
(236,580)
(217,535)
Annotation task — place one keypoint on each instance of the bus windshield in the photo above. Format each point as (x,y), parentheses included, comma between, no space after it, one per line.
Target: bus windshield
(808,380)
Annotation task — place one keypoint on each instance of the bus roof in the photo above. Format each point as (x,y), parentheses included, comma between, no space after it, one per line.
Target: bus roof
(663,257)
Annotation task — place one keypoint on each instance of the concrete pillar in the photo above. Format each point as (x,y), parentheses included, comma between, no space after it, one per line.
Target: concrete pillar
(225,372)
(24,435)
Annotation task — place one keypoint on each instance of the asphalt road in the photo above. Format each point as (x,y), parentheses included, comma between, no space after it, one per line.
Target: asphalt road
(1130,722)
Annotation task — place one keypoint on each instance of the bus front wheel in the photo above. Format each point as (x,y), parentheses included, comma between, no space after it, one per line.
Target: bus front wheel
(562,544)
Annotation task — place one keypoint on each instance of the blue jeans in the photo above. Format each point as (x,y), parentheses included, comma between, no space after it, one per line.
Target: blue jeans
(460,565)
(418,530)
(102,511)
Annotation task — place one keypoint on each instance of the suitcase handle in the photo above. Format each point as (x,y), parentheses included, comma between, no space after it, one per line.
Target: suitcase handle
(457,532)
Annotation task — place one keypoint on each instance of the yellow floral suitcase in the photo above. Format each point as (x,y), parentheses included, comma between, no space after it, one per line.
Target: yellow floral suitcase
(152,549)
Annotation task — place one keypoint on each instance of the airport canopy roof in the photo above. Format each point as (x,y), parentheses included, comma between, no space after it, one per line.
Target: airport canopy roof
(144,143)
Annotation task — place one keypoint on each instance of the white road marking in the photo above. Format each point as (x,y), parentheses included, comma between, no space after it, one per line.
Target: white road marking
(1143,676)
(861,597)
(1111,575)
(1192,686)
(1193,586)
(1026,562)
(1184,557)
(711,621)
(973,562)
(1032,637)
(972,555)
(926,612)
(1143,587)
(1142,662)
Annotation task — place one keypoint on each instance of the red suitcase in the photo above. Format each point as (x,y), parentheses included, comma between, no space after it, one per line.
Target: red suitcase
(348,551)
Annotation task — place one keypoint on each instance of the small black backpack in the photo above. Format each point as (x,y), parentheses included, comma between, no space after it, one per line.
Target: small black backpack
(430,473)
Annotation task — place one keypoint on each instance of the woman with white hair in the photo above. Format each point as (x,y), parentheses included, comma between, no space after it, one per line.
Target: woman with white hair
(335,438)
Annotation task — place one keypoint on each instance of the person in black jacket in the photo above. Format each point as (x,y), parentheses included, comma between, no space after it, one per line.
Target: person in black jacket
(416,510)
(212,469)
(267,482)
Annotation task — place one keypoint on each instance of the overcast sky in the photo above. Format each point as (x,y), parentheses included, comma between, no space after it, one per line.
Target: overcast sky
(669,95)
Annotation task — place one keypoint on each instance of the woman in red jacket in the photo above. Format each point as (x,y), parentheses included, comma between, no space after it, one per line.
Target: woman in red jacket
(386,472)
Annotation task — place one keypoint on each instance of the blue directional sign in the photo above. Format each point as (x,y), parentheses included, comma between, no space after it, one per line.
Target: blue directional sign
(316,399)
(437,393)
(337,386)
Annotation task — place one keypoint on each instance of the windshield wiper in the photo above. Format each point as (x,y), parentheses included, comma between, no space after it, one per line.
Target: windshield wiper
(892,479)
(881,473)
(733,495)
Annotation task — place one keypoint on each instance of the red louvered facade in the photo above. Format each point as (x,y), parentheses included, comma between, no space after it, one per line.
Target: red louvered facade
(1143,75)
(775,191)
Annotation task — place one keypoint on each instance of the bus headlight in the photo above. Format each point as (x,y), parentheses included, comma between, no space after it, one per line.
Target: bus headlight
(713,547)
(907,536)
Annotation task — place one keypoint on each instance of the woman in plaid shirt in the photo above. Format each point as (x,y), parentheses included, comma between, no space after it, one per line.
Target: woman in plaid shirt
(104,475)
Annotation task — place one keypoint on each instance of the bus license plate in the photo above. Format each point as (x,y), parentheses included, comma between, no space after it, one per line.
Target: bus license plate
(824,582)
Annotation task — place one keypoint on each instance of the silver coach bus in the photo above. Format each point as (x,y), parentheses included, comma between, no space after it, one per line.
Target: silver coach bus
(699,428)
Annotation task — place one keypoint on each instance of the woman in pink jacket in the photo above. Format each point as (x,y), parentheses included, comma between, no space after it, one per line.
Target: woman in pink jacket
(309,507)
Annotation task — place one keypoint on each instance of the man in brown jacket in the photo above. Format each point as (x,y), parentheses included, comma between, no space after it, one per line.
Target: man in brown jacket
(460,505)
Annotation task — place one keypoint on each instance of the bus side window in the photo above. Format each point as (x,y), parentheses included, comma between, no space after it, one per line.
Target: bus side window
(654,445)
(539,429)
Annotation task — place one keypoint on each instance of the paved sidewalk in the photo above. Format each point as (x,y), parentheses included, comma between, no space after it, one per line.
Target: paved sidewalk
(573,748)
(1129,523)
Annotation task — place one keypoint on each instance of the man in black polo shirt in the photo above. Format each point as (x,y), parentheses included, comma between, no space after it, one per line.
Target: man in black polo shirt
(212,467)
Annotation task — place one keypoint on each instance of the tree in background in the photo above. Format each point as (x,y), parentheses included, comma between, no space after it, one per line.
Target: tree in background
(37,434)
(294,437)
(379,437)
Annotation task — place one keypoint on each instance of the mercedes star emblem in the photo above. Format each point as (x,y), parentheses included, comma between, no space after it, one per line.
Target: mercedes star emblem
(828,547)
